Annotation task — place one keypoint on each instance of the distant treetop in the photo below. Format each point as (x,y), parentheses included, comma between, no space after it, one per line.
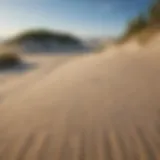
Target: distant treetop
(42,35)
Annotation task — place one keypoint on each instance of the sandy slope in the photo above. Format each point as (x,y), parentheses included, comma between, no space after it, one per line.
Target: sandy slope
(95,107)
(39,67)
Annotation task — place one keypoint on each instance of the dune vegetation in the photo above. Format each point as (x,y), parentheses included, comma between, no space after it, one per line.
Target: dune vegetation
(9,60)
(144,26)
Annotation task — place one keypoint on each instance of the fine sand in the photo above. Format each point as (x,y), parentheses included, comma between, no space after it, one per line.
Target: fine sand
(93,107)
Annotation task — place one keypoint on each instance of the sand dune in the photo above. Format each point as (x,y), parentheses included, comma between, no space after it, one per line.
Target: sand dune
(83,108)
(12,83)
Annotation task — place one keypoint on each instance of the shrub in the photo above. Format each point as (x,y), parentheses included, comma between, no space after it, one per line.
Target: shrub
(135,26)
(154,14)
(140,25)
(8,60)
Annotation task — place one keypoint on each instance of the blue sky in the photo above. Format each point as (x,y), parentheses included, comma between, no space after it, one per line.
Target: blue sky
(85,18)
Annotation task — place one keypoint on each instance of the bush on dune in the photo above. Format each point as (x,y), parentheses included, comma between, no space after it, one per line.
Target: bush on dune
(144,26)
(135,26)
(8,60)
(154,14)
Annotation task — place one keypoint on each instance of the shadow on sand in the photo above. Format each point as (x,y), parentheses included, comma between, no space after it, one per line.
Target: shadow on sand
(19,68)
(60,51)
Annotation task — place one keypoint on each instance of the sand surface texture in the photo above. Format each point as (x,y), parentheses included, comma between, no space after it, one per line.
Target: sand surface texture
(95,107)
